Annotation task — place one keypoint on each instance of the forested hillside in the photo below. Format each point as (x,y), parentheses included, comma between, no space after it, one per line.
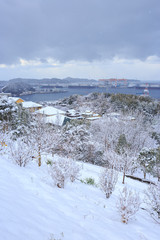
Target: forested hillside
(88,174)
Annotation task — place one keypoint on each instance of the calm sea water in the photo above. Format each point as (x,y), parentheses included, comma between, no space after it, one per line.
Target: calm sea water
(153,93)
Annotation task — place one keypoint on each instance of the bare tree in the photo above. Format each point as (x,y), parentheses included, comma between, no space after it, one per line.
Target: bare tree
(74,170)
(20,152)
(108,180)
(128,204)
(127,162)
(127,156)
(153,201)
(42,137)
(63,170)
(111,159)
(106,132)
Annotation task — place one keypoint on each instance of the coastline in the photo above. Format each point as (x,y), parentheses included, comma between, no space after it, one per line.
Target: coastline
(52,96)
(42,92)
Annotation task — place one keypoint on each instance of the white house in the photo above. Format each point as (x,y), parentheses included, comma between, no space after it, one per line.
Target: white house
(50,111)
(52,115)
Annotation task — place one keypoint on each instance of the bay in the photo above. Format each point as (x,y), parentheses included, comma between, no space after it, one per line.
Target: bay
(37,97)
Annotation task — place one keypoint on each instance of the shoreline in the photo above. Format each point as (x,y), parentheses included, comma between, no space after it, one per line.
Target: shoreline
(26,94)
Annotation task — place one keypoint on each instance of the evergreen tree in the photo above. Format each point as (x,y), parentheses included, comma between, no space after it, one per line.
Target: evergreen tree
(147,160)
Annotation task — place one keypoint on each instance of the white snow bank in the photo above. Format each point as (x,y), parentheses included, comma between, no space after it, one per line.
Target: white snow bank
(31,208)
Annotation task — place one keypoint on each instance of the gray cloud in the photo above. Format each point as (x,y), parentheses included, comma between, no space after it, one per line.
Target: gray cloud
(78,30)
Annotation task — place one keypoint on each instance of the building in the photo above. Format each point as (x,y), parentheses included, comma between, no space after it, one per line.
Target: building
(52,115)
(114,115)
(50,111)
(71,113)
(31,106)
(58,120)
(16,99)
(89,115)
(5,95)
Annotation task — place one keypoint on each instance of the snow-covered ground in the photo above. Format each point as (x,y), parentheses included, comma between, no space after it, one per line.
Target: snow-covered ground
(32,208)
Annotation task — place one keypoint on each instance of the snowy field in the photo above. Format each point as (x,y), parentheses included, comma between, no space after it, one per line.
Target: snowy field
(32,208)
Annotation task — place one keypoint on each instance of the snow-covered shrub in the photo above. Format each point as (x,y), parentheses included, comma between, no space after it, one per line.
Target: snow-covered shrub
(4,138)
(128,204)
(63,170)
(49,162)
(74,170)
(153,201)
(8,111)
(89,181)
(108,180)
(53,237)
(20,152)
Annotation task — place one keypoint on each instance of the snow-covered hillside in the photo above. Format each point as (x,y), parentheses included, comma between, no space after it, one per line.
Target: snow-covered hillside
(32,208)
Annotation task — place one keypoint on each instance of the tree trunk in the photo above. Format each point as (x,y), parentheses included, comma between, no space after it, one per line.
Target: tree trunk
(108,195)
(39,160)
(144,175)
(39,157)
(123,177)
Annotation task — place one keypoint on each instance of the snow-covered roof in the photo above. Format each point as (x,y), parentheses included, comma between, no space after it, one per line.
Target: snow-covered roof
(15,99)
(71,111)
(87,112)
(113,114)
(93,118)
(129,118)
(96,115)
(30,104)
(56,120)
(50,111)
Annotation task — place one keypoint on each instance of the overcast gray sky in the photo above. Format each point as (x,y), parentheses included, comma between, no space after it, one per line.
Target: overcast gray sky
(80,38)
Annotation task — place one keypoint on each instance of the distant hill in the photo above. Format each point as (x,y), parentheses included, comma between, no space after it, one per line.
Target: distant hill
(67,80)
(17,88)
(35,81)
(77,80)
